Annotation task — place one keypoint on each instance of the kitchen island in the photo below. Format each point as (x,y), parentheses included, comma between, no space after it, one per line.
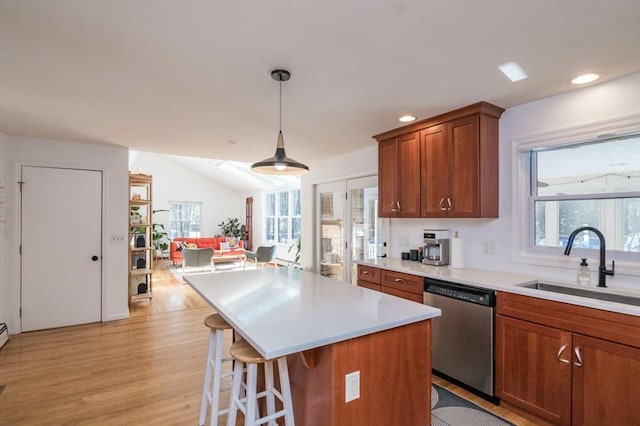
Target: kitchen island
(328,329)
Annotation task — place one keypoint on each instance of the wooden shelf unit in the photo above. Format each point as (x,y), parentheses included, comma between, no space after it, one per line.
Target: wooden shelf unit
(140,188)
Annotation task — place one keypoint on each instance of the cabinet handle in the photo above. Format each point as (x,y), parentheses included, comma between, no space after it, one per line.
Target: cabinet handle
(442,208)
(577,352)
(449,203)
(565,361)
(366,273)
(398,204)
(392,208)
(400,280)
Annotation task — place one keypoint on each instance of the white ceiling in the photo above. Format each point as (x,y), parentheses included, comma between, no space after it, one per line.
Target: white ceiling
(187,77)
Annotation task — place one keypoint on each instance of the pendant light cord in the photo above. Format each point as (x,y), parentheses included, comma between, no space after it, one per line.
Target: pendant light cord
(280,103)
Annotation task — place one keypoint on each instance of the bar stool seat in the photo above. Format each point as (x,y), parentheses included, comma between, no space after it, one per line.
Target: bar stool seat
(213,370)
(245,355)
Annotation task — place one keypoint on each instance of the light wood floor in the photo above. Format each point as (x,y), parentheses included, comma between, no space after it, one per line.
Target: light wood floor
(145,370)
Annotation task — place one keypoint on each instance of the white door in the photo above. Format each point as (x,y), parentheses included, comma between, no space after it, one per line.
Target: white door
(61,240)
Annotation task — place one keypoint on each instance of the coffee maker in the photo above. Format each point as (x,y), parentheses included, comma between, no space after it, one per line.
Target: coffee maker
(436,247)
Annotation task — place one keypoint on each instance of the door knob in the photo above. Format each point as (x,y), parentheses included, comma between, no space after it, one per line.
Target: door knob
(94,258)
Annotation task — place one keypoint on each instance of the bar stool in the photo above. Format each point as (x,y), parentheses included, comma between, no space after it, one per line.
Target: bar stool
(243,353)
(214,369)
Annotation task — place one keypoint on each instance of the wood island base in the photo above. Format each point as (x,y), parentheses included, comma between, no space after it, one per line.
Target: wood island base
(395,379)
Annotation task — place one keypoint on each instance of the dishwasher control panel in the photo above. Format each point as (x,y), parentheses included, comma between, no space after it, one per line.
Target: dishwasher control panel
(459,292)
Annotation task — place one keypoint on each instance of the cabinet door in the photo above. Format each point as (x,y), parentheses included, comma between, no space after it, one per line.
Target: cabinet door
(464,167)
(387,178)
(605,383)
(434,172)
(533,368)
(408,169)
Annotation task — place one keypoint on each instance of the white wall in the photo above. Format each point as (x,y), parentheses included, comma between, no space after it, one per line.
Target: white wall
(594,103)
(4,305)
(175,182)
(112,161)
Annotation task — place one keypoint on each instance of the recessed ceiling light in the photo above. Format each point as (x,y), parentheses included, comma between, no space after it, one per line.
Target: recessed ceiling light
(407,118)
(585,78)
(513,71)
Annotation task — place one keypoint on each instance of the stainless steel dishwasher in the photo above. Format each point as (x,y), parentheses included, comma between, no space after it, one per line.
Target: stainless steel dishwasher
(462,338)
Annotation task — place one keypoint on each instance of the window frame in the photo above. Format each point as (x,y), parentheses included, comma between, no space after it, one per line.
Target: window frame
(277,217)
(171,203)
(524,249)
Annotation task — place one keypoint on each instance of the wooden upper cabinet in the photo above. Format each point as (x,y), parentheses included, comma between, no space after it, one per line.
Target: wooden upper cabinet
(452,172)
(457,159)
(399,176)
(435,171)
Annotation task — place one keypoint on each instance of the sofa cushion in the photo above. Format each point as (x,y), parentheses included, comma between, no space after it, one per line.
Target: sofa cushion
(209,242)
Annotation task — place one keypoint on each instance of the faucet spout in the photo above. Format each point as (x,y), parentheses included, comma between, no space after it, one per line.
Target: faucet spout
(602,269)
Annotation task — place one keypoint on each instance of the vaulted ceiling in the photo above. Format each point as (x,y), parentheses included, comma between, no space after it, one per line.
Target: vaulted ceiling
(193,77)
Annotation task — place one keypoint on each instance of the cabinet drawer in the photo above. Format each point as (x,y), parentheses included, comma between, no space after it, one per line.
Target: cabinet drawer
(367,273)
(404,294)
(367,284)
(405,282)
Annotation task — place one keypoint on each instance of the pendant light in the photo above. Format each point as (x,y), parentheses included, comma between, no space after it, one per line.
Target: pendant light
(280,164)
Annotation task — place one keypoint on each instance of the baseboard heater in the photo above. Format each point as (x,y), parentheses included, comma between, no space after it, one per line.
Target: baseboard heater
(4,334)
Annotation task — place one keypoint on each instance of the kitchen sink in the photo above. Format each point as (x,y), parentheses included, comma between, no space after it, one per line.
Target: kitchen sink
(618,298)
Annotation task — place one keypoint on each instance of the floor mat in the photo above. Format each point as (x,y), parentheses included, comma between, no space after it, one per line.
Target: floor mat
(448,409)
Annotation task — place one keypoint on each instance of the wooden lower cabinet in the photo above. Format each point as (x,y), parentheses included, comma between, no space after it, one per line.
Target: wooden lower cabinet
(556,361)
(606,386)
(533,368)
(407,286)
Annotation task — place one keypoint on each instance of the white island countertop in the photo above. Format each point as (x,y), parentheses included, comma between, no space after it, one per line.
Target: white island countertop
(282,311)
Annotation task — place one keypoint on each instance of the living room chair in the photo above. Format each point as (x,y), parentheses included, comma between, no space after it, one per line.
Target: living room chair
(197,258)
(264,254)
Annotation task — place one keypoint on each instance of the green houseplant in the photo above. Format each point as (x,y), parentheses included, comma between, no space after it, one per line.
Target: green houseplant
(232,228)
(159,236)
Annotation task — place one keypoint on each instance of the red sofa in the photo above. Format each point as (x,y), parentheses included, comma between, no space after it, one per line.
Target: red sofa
(214,242)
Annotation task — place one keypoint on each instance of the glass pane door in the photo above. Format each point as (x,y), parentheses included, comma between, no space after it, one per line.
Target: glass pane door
(366,230)
(331,202)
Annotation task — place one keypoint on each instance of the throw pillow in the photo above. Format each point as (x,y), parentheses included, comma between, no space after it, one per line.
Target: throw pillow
(233,242)
(224,246)
(192,245)
(180,245)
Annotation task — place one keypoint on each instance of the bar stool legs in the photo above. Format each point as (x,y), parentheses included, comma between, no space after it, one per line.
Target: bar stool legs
(213,370)
(243,353)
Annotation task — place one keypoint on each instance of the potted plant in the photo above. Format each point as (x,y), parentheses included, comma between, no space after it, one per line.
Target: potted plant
(159,237)
(232,228)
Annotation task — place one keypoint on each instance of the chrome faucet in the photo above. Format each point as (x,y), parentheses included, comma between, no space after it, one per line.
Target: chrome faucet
(602,270)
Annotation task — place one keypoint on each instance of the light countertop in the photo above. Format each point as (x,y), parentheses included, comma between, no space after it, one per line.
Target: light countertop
(281,311)
(505,281)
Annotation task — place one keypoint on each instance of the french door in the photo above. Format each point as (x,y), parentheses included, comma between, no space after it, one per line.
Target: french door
(348,226)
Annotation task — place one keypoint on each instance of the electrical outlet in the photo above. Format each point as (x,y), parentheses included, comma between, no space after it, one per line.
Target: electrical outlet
(352,386)
(117,239)
(489,248)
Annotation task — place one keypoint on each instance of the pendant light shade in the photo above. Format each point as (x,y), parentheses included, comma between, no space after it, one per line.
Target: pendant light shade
(280,164)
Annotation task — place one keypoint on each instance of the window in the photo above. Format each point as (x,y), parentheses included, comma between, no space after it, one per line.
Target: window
(184,219)
(596,184)
(282,216)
